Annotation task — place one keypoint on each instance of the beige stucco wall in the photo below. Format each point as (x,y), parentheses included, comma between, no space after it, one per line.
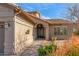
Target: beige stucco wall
(69,32)
(22,40)
(6,16)
(16,39)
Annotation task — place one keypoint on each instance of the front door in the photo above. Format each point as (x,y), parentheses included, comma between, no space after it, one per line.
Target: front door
(40,31)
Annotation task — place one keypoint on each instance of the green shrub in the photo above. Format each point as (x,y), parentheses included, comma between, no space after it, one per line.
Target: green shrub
(41,51)
(45,50)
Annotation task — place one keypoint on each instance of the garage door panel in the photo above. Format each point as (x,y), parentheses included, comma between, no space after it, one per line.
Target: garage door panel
(1,39)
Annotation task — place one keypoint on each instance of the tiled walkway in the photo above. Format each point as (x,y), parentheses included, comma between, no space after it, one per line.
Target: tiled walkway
(32,51)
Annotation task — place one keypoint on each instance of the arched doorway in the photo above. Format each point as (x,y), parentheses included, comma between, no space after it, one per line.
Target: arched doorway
(40,31)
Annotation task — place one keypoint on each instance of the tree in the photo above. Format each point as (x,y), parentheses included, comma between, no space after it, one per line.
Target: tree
(73,12)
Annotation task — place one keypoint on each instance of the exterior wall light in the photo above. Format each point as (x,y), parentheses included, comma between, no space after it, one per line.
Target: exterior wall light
(7,24)
(27,32)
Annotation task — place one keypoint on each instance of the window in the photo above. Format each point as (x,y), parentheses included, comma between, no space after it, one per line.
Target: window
(60,30)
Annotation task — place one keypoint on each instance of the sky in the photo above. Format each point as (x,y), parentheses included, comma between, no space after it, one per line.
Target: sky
(46,10)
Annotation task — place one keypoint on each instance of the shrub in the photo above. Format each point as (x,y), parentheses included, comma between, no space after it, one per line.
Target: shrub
(76,32)
(73,51)
(41,51)
(45,50)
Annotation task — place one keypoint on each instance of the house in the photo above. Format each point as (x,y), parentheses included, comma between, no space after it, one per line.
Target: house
(18,29)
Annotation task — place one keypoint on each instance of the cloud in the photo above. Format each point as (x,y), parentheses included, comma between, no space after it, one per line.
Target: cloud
(29,8)
(45,17)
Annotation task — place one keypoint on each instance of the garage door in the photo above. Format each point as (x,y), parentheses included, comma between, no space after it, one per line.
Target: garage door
(1,39)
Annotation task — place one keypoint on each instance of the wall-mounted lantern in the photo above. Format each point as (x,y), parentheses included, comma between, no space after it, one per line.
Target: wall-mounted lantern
(7,24)
(27,31)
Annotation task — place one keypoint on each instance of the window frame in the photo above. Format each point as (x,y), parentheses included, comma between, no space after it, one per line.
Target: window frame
(57,30)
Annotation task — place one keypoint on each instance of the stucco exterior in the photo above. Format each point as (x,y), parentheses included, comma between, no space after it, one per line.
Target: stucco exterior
(46,27)
(22,38)
(6,16)
(15,39)
(61,37)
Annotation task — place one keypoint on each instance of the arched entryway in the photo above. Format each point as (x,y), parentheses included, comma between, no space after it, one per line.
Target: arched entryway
(40,31)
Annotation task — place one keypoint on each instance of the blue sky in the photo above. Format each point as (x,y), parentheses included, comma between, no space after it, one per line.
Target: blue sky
(47,11)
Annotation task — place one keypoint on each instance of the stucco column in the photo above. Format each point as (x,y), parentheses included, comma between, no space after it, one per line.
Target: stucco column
(34,33)
(46,32)
(9,38)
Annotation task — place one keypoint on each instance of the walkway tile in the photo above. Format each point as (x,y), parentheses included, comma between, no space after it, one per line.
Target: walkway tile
(32,51)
